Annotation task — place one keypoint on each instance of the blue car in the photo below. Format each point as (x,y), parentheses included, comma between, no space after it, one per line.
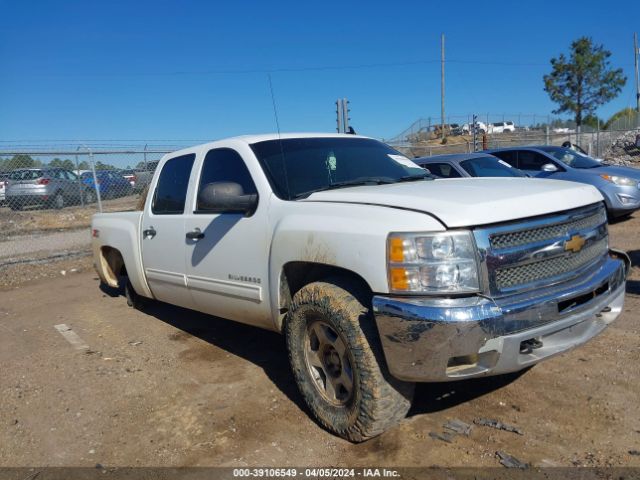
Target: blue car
(111,184)
(620,186)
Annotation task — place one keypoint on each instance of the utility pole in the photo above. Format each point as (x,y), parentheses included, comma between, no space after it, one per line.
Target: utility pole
(342,115)
(442,82)
(474,129)
(636,54)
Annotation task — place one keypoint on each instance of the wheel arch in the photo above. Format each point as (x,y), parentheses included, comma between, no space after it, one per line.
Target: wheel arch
(296,274)
(112,265)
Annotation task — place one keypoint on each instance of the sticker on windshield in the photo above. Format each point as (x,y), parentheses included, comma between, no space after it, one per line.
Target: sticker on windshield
(402,160)
(504,163)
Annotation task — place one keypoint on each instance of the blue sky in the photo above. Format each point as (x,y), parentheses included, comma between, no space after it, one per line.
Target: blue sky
(196,70)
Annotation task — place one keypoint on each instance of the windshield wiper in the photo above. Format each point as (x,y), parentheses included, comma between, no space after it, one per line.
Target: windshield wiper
(347,183)
(420,176)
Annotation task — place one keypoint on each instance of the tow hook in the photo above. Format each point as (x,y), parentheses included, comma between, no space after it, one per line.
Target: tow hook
(528,346)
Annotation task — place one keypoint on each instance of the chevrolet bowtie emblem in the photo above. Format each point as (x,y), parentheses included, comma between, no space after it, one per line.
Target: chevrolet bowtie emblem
(574,244)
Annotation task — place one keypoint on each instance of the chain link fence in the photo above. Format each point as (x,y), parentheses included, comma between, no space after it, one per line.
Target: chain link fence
(47,197)
(422,139)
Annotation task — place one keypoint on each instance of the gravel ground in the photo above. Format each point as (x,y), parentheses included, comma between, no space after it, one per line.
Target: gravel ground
(172,387)
(34,246)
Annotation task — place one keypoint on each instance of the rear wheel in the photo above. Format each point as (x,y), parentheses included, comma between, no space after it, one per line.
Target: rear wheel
(57,201)
(338,364)
(89,196)
(133,299)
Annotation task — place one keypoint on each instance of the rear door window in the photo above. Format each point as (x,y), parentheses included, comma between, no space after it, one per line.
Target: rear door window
(529,160)
(509,156)
(171,191)
(442,170)
(489,167)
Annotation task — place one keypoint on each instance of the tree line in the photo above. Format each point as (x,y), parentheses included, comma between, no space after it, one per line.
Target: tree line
(27,161)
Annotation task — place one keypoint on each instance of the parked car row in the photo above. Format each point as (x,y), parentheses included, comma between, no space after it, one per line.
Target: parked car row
(620,186)
(57,187)
(481,128)
(4,181)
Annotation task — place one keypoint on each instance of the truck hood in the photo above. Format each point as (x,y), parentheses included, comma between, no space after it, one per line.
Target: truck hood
(465,202)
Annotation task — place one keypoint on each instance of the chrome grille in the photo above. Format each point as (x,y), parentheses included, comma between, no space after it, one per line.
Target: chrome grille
(541,251)
(550,268)
(534,235)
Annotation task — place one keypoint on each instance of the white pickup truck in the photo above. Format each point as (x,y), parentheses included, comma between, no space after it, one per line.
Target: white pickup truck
(378,275)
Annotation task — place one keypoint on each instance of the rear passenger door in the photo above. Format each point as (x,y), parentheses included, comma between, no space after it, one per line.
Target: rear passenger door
(227,268)
(163,234)
(73,184)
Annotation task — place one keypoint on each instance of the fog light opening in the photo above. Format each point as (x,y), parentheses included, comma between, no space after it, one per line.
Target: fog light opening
(472,364)
(460,363)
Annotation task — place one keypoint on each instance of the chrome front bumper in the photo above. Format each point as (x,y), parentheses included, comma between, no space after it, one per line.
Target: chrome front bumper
(431,340)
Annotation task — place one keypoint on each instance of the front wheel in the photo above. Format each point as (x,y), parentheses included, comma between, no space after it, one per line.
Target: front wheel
(338,364)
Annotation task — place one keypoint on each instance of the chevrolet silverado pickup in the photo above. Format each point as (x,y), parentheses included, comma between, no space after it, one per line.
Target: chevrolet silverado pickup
(378,275)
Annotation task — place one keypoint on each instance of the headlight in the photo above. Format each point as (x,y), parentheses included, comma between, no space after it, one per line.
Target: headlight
(623,181)
(432,263)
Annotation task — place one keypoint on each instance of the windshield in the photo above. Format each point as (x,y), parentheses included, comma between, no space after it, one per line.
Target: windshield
(490,167)
(571,158)
(297,167)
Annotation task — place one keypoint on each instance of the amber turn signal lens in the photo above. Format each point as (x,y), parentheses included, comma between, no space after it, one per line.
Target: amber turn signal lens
(399,280)
(396,250)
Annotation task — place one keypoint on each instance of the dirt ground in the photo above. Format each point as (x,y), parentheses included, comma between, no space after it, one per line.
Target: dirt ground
(172,387)
(42,220)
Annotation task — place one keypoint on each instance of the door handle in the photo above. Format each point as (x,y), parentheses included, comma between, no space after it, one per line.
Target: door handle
(149,233)
(195,234)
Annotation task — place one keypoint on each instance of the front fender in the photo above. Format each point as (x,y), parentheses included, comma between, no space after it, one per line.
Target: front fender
(349,236)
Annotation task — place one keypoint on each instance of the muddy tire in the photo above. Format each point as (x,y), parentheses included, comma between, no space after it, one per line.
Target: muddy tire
(338,364)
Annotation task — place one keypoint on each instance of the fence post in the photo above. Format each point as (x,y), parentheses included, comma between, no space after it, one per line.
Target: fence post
(546,137)
(598,138)
(79,179)
(95,179)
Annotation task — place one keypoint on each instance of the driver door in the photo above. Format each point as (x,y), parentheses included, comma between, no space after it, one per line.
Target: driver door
(227,266)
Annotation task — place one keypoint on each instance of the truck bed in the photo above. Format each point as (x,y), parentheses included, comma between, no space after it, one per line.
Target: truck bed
(119,231)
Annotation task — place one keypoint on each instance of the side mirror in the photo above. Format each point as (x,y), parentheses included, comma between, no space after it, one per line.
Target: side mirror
(549,167)
(226,197)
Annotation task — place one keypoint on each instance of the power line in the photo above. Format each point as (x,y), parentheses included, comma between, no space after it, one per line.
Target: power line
(310,68)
